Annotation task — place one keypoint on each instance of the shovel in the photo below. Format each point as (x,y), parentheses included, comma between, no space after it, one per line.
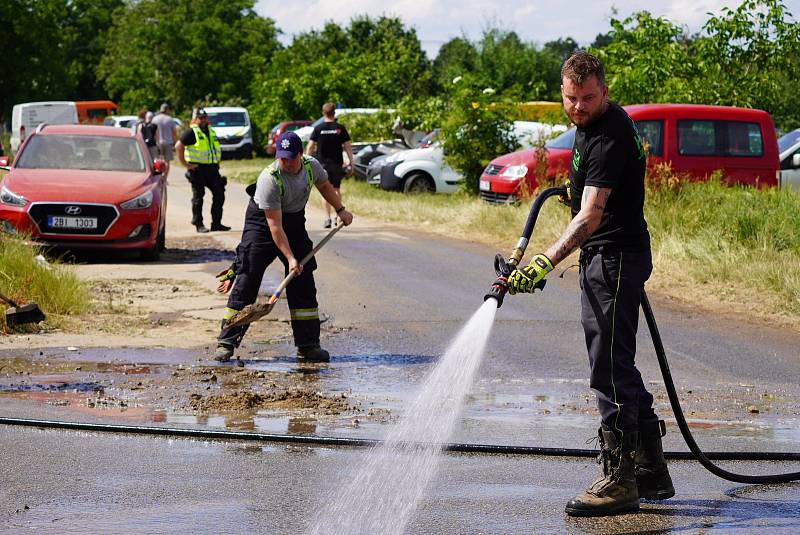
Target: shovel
(256,311)
(19,315)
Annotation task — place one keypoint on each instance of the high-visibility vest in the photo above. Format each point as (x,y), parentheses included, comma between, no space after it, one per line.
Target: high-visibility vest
(276,174)
(205,149)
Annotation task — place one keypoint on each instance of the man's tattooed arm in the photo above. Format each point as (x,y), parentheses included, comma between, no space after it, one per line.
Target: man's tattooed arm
(593,203)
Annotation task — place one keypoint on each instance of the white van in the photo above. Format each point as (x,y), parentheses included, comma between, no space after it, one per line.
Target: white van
(26,117)
(233,129)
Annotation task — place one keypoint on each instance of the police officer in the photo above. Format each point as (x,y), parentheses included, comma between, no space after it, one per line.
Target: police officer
(607,200)
(199,152)
(275,228)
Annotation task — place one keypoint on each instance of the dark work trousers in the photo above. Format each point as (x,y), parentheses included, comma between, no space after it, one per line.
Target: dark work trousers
(612,282)
(253,255)
(206,176)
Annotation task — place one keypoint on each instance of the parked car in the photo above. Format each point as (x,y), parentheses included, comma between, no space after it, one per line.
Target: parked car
(789,149)
(233,129)
(85,186)
(276,131)
(27,116)
(695,139)
(415,171)
(424,169)
(121,121)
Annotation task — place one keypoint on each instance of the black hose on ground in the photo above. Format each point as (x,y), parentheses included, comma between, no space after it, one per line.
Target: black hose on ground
(314,440)
(669,385)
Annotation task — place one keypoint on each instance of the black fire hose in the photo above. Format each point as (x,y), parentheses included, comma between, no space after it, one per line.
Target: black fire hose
(500,287)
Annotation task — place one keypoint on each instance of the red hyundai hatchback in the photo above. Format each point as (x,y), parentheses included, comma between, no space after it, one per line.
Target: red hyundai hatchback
(82,186)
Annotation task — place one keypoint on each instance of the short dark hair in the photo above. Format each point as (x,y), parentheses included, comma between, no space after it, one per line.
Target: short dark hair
(329,109)
(580,66)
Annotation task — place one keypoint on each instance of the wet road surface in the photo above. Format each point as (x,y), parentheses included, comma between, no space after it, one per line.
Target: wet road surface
(395,298)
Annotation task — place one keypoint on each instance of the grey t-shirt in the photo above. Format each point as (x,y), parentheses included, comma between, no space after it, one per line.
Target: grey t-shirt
(165,125)
(296,190)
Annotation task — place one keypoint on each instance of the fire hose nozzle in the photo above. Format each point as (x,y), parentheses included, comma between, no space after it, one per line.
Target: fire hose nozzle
(499,287)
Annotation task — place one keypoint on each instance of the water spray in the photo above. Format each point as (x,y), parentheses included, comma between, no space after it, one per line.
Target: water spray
(499,288)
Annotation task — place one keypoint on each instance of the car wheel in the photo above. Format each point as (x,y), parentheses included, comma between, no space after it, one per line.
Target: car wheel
(153,254)
(419,183)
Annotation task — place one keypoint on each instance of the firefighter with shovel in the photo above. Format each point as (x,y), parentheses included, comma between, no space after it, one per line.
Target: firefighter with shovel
(275,228)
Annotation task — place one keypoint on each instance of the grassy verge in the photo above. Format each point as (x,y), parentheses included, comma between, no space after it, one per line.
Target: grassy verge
(53,286)
(724,248)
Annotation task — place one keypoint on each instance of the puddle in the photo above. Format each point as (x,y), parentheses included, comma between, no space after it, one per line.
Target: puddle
(52,387)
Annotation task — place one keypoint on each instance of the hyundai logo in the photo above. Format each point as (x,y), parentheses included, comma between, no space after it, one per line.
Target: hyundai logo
(73,210)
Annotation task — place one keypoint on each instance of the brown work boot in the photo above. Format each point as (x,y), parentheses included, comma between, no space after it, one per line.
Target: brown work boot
(615,492)
(652,475)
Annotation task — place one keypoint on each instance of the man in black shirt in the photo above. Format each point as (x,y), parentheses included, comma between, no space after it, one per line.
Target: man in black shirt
(607,201)
(326,143)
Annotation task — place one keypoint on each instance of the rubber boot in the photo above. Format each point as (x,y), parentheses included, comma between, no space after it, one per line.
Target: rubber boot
(313,353)
(615,492)
(652,475)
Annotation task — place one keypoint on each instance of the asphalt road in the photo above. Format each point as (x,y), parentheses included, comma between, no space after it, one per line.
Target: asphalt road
(397,297)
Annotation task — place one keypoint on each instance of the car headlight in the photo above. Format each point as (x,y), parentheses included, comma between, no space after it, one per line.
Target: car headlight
(9,197)
(137,203)
(396,157)
(515,171)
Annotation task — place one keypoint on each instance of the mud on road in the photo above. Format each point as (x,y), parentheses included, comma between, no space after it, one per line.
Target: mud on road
(144,354)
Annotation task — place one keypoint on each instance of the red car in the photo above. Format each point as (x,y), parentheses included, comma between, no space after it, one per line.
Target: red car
(280,128)
(694,139)
(82,186)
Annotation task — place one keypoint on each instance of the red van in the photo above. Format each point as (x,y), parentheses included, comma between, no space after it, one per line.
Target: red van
(695,139)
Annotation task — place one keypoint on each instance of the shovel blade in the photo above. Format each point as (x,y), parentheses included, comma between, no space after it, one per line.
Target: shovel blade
(249,314)
(20,315)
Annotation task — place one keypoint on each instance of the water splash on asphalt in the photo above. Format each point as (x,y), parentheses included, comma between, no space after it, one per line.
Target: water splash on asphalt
(383,494)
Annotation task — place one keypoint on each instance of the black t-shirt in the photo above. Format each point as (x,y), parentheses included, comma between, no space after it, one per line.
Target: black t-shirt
(609,154)
(149,132)
(329,138)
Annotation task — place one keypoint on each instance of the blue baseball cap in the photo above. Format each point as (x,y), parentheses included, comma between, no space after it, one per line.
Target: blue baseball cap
(288,145)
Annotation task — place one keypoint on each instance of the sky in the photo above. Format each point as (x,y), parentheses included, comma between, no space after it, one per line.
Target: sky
(535,21)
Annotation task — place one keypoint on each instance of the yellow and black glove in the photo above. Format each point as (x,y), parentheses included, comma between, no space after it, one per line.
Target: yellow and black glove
(527,279)
(227,274)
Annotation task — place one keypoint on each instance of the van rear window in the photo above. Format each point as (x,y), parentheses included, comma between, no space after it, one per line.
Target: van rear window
(652,134)
(719,138)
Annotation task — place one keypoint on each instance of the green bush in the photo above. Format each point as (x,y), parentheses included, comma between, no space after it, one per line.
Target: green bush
(475,132)
(368,126)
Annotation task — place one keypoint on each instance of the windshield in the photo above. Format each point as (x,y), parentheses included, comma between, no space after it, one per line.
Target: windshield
(785,142)
(564,141)
(81,152)
(227,118)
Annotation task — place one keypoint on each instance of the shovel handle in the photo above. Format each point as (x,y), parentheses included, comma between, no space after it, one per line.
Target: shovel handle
(9,301)
(285,282)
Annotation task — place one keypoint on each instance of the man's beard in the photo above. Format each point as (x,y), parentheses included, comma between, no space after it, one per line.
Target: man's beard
(584,119)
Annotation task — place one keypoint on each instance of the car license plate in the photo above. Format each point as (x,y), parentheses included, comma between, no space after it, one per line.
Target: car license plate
(484,185)
(59,221)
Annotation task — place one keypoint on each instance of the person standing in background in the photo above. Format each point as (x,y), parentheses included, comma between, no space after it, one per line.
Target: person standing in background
(167,134)
(326,144)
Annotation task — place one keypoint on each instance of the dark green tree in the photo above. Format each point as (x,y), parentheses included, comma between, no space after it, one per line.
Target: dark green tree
(370,63)
(456,57)
(185,52)
(35,62)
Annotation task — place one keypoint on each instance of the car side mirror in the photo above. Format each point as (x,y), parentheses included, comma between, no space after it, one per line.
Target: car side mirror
(159,166)
(795,160)
(4,161)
